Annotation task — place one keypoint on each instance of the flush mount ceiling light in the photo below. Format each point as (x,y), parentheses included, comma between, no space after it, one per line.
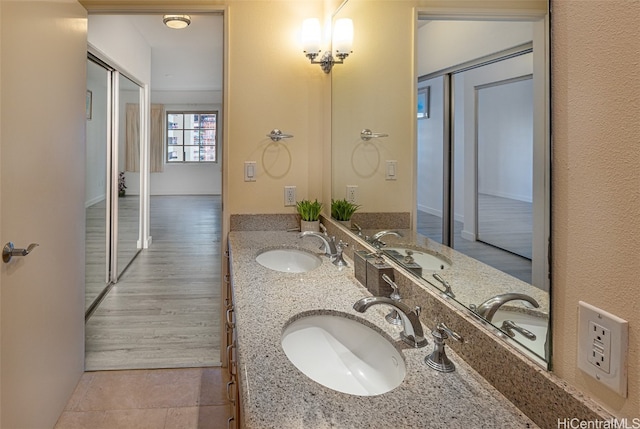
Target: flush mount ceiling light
(176,21)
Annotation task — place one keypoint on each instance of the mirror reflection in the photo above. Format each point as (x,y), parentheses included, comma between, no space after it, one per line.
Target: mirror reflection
(97,146)
(112,191)
(128,201)
(467,208)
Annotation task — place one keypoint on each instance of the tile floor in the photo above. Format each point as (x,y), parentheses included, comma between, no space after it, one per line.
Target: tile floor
(155,399)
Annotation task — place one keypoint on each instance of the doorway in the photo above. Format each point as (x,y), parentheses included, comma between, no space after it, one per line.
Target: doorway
(163,311)
(475,155)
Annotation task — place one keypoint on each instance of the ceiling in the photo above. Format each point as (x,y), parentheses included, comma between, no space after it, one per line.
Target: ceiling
(183,60)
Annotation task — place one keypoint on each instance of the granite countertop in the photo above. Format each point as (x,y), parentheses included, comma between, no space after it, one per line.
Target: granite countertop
(472,281)
(275,394)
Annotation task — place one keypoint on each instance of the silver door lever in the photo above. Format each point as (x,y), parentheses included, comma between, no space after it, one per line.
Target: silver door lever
(10,251)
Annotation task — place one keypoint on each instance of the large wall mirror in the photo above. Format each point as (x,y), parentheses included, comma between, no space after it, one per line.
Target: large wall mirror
(458,175)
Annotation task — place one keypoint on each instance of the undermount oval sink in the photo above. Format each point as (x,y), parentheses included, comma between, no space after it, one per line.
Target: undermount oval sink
(427,261)
(289,260)
(343,354)
(537,325)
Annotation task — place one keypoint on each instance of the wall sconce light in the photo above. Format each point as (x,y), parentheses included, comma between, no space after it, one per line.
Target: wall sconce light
(176,22)
(342,42)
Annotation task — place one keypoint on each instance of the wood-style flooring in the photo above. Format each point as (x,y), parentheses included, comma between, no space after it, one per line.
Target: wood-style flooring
(96,263)
(164,310)
(507,261)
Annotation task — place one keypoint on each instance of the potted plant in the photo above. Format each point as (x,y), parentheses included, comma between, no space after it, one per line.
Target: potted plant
(121,185)
(342,210)
(309,212)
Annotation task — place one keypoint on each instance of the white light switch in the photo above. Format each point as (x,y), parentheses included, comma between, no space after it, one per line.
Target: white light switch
(250,171)
(392,166)
(603,340)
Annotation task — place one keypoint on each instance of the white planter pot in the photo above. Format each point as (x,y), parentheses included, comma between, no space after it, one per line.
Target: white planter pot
(310,225)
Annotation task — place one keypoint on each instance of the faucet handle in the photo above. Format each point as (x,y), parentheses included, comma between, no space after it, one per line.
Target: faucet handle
(448,333)
(439,360)
(341,245)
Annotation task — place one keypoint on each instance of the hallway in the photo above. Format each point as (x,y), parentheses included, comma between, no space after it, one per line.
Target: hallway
(164,311)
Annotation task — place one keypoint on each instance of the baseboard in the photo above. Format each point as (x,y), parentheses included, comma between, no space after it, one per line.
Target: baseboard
(468,235)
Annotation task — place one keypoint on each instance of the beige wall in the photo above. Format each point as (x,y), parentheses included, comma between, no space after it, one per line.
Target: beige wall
(596,180)
(272,85)
(365,94)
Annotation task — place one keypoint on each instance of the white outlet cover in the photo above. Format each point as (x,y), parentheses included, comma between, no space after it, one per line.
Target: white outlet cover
(616,378)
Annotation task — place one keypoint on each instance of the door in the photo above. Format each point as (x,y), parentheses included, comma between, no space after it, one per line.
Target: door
(504,134)
(42,158)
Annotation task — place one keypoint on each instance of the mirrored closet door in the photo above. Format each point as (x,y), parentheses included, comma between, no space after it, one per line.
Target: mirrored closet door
(112,191)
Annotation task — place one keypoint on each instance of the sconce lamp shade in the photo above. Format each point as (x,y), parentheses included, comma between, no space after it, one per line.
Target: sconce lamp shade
(311,36)
(176,22)
(343,36)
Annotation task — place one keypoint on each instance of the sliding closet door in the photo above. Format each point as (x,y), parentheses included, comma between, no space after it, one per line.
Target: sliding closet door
(97,205)
(127,172)
(505,165)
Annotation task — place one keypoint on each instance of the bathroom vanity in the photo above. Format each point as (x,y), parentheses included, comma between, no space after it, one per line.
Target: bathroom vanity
(275,394)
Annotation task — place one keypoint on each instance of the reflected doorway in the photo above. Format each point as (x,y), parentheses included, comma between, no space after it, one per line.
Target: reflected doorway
(475,162)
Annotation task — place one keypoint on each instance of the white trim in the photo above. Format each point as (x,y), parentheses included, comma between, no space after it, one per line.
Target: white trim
(468,235)
(95,200)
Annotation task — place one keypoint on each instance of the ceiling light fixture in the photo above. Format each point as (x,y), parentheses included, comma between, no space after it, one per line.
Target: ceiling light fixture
(176,21)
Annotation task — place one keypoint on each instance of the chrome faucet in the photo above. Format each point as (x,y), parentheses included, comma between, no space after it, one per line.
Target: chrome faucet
(329,243)
(375,238)
(412,333)
(488,308)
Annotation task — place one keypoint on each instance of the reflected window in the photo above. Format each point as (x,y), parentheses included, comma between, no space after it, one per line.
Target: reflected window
(192,136)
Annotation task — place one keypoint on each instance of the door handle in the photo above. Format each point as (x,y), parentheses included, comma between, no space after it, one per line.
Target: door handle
(10,251)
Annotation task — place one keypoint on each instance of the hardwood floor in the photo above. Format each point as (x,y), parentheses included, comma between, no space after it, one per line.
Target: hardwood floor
(506,223)
(95,242)
(509,262)
(164,311)
(95,252)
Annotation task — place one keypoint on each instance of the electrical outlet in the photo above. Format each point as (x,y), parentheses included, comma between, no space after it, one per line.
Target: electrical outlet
(603,342)
(600,339)
(352,194)
(289,196)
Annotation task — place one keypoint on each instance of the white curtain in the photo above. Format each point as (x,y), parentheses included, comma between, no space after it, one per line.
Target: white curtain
(132,140)
(156,150)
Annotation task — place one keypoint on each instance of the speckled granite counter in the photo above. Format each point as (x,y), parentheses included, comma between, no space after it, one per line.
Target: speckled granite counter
(472,281)
(276,395)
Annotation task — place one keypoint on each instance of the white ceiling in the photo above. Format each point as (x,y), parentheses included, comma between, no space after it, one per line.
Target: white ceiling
(183,60)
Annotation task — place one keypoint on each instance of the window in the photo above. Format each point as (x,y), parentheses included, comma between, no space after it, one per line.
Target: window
(192,136)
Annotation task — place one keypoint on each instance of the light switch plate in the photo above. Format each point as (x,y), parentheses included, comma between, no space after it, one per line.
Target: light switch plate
(603,342)
(392,168)
(250,171)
